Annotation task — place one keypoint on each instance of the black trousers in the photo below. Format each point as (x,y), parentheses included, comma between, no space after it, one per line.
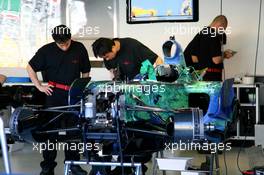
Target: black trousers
(58,98)
(49,157)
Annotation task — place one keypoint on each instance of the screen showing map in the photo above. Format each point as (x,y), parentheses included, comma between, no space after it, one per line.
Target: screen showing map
(142,11)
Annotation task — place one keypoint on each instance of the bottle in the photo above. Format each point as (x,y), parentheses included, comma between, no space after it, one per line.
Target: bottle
(88,110)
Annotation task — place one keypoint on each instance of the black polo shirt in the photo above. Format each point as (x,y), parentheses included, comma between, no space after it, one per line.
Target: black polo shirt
(205,45)
(129,58)
(61,66)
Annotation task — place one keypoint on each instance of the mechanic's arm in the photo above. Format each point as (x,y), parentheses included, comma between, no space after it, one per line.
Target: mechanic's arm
(195,59)
(220,59)
(2,79)
(85,75)
(34,78)
(114,74)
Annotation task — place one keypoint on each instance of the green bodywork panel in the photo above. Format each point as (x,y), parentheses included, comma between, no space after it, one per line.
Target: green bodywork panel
(171,96)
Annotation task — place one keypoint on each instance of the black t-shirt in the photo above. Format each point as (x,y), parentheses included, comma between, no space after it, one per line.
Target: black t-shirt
(205,45)
(129,58)
(61,66)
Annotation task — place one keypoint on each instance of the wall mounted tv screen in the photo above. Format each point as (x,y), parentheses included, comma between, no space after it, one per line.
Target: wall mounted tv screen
(148,11)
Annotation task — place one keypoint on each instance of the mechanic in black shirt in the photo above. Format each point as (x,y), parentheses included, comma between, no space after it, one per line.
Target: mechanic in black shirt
(205,50)
(127,54)
(63,61)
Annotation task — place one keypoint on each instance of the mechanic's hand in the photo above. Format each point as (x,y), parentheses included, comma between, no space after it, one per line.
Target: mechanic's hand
(228,54)
(116,74)
(47,89)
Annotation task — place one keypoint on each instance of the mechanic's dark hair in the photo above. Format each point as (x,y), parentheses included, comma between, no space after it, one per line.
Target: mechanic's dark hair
(61,34)
(102,46)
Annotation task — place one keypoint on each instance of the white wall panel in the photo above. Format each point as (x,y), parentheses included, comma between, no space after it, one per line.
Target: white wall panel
(243,18)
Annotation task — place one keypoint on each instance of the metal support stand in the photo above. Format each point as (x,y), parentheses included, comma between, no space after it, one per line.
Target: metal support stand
(4,147)
(155,165)
(67,165)
(214,159)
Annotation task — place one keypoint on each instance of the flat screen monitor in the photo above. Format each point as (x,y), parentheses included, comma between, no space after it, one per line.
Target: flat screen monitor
(149,11)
